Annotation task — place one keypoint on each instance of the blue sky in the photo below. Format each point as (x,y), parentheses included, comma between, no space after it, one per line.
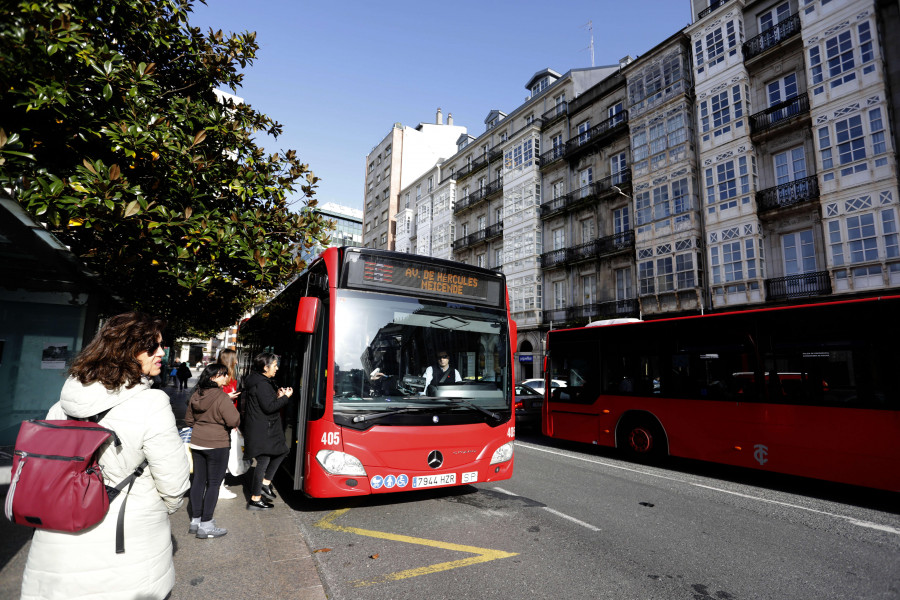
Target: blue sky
(338,75)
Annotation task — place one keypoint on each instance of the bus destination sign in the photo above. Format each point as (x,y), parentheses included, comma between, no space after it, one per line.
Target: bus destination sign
(432,279)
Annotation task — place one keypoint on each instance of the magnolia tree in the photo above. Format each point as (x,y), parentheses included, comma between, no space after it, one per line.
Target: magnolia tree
(111,136)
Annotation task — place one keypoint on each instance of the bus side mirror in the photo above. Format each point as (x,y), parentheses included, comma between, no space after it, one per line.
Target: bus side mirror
(306,315)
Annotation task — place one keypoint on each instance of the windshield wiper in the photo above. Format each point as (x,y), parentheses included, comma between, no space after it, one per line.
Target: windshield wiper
(472,405)
(373,416)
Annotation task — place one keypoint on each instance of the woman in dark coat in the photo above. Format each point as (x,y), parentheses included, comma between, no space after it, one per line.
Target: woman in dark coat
(263,432)
(183,374)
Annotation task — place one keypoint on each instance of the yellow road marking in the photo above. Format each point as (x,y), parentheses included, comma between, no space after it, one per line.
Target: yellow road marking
(482,554)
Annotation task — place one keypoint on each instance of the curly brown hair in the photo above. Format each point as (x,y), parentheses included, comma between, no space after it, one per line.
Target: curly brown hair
(111,357)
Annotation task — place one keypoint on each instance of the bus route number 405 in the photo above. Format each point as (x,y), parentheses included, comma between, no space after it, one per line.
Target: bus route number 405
(332,438)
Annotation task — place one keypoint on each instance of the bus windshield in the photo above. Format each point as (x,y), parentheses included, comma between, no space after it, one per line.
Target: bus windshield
(386,358)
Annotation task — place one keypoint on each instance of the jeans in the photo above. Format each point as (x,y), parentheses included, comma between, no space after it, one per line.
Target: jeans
(266,467)
(209,472)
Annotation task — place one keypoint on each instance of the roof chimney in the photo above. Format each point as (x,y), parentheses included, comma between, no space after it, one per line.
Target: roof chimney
(625,61)
(449,118)
(439,118)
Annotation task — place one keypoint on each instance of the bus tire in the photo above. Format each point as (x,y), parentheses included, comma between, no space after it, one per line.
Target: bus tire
(642,438)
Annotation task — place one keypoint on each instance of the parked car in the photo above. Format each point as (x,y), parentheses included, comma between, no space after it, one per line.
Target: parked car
(528,405)
(538,384)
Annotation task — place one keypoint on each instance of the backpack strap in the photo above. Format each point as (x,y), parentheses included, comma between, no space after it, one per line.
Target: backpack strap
(120,522)
(114,491)
(96,419)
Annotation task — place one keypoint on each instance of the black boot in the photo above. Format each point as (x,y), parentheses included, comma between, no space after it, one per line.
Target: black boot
(269,492)
(259,505)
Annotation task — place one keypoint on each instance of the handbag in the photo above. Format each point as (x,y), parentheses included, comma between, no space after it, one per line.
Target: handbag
(236,463)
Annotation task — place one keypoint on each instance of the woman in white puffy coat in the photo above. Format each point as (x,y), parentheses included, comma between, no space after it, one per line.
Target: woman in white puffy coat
(113,374)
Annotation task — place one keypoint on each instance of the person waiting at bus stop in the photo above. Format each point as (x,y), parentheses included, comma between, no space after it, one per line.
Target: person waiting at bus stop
(441,373)
(263,432)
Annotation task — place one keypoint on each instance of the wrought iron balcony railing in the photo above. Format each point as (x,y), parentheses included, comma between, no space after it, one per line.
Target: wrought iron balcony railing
(788,194)
(492,231)
(611,244)
(584,194)
(616,179)
(598,133)
(552,155)
(617,309)
(460,243)
(556,315)
(713,5)
(554,114)
(553,258)
(469,201)
(781,112)
(482,235)
(463,171)
(493,187)
(615,243)
(806,285)
(772,37)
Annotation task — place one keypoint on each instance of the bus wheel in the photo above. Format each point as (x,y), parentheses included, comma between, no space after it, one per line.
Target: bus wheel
(642,439)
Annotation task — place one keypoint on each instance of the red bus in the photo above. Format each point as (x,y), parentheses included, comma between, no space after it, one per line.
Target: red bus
(805,390)
(356,334)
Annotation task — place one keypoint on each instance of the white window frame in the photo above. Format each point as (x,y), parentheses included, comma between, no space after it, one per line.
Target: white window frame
(559,295)
(558,237)
(841,58)
(789,165)
(798,252)
(853,144)
(623,284)
(588,289)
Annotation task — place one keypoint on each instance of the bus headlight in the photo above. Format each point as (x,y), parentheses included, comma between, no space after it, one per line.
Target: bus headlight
(503,453)
(340,463)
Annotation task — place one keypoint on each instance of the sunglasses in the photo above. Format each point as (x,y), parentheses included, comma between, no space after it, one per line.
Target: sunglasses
(443,356)
(152,348)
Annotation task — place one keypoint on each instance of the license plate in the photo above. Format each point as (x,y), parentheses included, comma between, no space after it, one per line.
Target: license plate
(434,480)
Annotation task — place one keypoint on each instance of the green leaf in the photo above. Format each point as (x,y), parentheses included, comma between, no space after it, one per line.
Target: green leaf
(174,146)
(133,208)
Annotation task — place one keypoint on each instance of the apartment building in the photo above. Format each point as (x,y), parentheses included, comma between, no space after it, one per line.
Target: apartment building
(402,156)
(797,159)
(747,160)
(586,207)
(494,183)
(667,215)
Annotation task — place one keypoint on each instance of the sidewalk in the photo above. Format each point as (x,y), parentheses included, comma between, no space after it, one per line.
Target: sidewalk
(263,555)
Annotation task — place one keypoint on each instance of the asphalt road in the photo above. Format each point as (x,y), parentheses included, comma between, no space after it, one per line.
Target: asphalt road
(578,522)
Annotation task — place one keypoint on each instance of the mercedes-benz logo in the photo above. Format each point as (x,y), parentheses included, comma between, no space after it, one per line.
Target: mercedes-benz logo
(435,459)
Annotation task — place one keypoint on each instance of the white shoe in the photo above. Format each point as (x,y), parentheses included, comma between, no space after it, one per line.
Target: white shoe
(225,493)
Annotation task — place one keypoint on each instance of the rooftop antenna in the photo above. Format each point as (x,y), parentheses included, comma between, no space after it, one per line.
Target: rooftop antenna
(590,27)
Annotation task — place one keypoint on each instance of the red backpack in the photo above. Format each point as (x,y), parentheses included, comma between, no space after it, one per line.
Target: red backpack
(57,483)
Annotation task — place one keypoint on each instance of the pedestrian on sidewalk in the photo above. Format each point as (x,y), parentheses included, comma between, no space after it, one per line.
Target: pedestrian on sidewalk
(212,414)
(112,376)
(263,432)
(184,373)
(228,357)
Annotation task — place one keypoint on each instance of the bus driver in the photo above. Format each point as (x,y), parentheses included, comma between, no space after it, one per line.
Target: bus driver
(441,373)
